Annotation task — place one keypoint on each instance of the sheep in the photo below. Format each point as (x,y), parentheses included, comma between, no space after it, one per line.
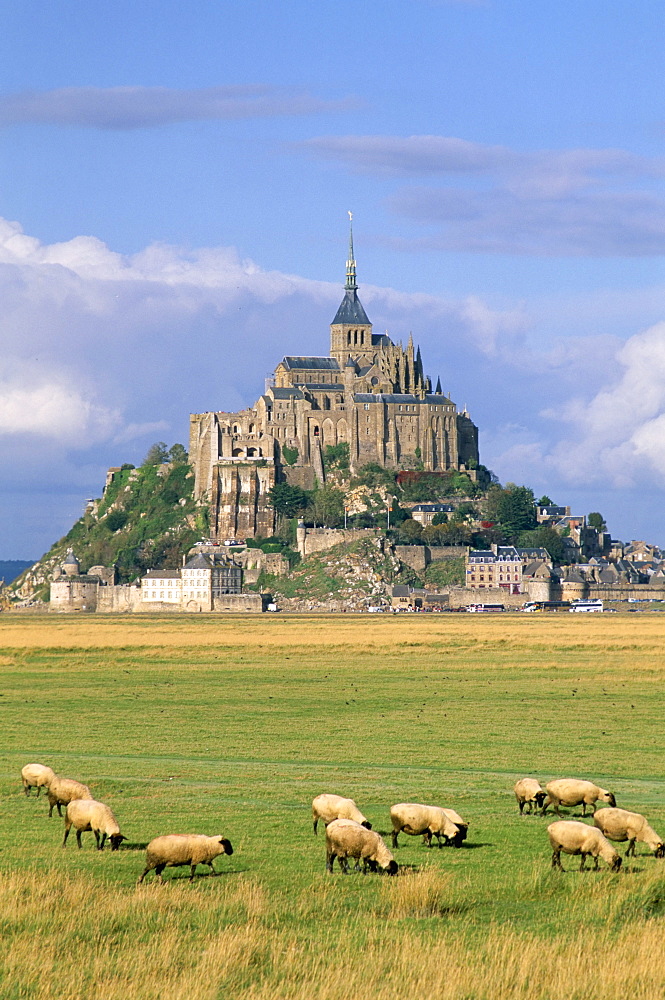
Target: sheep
(572,792)
(462,827)
(36,776)
(573,837)
(87,814)
(348,839)
(62,791)
(527,791)
(620,825)
(178,849)
(414,819)
(329,807)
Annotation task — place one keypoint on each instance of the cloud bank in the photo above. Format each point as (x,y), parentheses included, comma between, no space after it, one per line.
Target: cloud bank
(124,108)
(493,199)
(103,353)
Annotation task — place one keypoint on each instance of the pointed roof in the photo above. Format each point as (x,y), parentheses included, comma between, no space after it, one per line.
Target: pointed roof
(351,309)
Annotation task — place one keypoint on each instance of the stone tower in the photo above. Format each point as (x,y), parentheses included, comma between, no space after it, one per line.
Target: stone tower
(351,330)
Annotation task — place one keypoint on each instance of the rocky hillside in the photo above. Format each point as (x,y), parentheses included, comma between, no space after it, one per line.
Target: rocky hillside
(351,576)
(146,517)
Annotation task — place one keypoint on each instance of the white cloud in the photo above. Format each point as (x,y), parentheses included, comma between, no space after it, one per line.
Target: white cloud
(617,435)
(122,108)
(52,409)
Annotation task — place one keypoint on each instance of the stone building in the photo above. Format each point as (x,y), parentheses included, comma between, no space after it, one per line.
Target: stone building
(72,590)
(368,393)
(498,568)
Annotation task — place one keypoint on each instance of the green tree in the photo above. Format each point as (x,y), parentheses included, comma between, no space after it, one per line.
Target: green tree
(512,508)
(116,519)
(158,453)
(177,453)
(465,512)
(440,518)
(328,506)
(373,475)
(337,456)
(287,500)
(545,502)
(597,521)
(290,455)
(543,537)
(409,532)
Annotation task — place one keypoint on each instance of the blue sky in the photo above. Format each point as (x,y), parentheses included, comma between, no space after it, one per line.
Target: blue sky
(174,182)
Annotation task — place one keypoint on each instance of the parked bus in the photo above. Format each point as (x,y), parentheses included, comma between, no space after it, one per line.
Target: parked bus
(486,607)
(546,606)
(586,606)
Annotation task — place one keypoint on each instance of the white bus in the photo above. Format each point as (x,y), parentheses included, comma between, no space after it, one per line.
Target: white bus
(485,607)
(586,606)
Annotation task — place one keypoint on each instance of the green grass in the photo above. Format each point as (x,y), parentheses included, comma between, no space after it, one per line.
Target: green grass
(232,726)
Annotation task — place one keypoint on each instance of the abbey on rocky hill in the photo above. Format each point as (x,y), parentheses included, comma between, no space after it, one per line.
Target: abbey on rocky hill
(369,392)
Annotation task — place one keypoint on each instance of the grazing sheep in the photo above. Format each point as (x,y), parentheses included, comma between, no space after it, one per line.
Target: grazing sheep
(178,849)
(527,791)
(573,837)
(414,819)
(87,814)
(620,825)
(462,828)
(573,792)
(62,791)
(36,776)
(348,839)
(329,807)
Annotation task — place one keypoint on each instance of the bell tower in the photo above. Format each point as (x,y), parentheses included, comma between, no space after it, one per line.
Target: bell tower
(351,330)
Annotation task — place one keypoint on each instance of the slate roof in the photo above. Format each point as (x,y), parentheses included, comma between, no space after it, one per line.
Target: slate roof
(199,561)
(351,310)
(324,386)
(435,508)
(381,340)
(323,364)
(287,393)
(405,397)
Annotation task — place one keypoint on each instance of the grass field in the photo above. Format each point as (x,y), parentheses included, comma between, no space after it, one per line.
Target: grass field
(232,725)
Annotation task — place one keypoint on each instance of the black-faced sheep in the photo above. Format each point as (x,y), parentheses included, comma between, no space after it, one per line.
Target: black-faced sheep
(462,828)
(348,839)
(573,837)
(36,776)
(62,791)
(621,825)
(87,814)
(527,791)
(178,849)
(414,819)
(575,792)
(328,807)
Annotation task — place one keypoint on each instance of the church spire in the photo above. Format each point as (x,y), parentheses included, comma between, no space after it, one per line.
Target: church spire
(351,282)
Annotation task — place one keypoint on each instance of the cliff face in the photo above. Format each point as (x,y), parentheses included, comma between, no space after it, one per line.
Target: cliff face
(146,518)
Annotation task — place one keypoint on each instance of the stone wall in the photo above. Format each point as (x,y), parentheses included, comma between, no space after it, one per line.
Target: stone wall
(418,557)
(240,603)
(74,594)
(120,599)
(461,596)
(299,475)
(311,540)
